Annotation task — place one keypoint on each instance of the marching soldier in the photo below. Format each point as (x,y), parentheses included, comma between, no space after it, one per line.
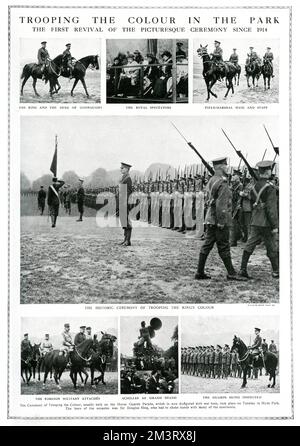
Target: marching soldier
(80,199)
(234,58)
(264,221)
(211,359)
(46,345)
(80,337)
(41,199)
(125,190)
(218,221)
(43,57)
(68,59)
(53,199)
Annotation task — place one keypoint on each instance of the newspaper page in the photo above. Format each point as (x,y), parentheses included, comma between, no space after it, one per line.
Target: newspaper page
(149,213)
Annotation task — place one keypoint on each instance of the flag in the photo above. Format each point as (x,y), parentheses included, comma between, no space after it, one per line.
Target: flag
(53,167)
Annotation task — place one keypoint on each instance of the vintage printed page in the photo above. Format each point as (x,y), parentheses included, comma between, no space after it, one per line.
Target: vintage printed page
(148,167)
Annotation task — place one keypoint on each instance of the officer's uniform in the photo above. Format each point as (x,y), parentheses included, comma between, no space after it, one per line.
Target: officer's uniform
(43,57)
(256,346)
(268,56)
(25,344)
(263,221)
(67,341)
(41,200)
(46,347)
(273,348)
(234,58)
(80,202)
(79,338)
(67,59)
(53,199)
(218,54)
(125,190)
(217,362)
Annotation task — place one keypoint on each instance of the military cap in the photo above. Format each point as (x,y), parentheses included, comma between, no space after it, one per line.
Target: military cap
(166,53)
(25,334)
(82,326)
(234,49)
(54,179)
(68,44)
(264,165)
(67,325)
(42,43)
(216,41)
(268,48)
(81,179)
(128,166)
(219,346)
(130,56)
(257,329)
(136,52)
(219,161)
(88,328)
(226,345)
(212,346)
(179,43)
(251,47)
(47,334)
(272,340)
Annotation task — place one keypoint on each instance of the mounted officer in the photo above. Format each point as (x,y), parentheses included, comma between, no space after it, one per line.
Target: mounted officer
(68,60)
(264,221)
(234,58)
(43,58)
(256,346)
(25,344)
(46,345)
(80,337)
(268,57)
(218,221)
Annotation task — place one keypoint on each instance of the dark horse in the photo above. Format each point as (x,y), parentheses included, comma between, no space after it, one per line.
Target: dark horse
(79,71)
(267,72)
(51,73)
(102,352)
(253,70)
(36,361)
(267,360)
(238,74)
(26,357)
(213,72)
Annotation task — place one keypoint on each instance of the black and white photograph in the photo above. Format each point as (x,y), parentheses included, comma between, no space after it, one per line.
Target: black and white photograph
(60,70)
(69,355)
(230,354)
(147,71)
(236,71)
(178,218)
(149,354)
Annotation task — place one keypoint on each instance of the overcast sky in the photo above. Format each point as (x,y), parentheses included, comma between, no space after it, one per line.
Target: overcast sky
(86,143)
(242,46)
(199,330)
(36,327)
(130,331)
(80,48)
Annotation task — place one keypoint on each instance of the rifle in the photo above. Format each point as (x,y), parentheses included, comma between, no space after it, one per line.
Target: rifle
(208,167)
(276,149)
(241,156)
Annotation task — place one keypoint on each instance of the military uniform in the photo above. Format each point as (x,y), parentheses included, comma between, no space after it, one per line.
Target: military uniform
(53,199)
(268,56)
(41,200)
(125,190)
(46,347)
(67,341)
(43,57)
(273,348)
(25,344)
(256,346)
(67,59)
(264,221)
(79,338)
(218,54)
(234,58)
(217,362)
(218,221)
(80,201)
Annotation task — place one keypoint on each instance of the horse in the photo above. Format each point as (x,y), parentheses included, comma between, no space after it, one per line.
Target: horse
(253,70)
(213,72)
(267,72)
(51,73)
(36,361)
(238,74)
(26,357)
(102,351)
(79,360)
(79,71)
(55,362)
(267,360)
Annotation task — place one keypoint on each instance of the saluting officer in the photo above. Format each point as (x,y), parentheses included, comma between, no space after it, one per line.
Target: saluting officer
(218,221)
(264,221)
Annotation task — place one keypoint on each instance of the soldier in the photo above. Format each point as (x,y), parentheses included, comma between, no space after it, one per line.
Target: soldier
(88,334)
(218,361)
(25,344)
(227,361)
(268,57)
(43,58)
(264,345)
(80,199)
(273,347)
(41,199)
(234,363)
(46,345)
(236,188)
(234,58)
(145,335)
(211,360)
(125,190)
(206,362)
(217,54)
(218,221)
(256,346)
(80,337)
(67,59)
(264,221)
(53,199)
(252,57)
(67,341)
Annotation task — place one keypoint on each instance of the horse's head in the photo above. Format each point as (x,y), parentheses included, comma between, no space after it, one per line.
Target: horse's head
(202,51)
(235,343)
(107,343)
(58,60)
(36,354)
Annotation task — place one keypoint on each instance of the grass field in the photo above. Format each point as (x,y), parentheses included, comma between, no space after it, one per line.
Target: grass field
(36,387)
(195,384)
(83,263)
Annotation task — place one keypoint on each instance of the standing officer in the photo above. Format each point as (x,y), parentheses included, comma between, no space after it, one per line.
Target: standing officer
(264,221)
(53,199)
(218,221)
(80,199)
(125,190)
(80,337)
(41,199)
(43,57)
